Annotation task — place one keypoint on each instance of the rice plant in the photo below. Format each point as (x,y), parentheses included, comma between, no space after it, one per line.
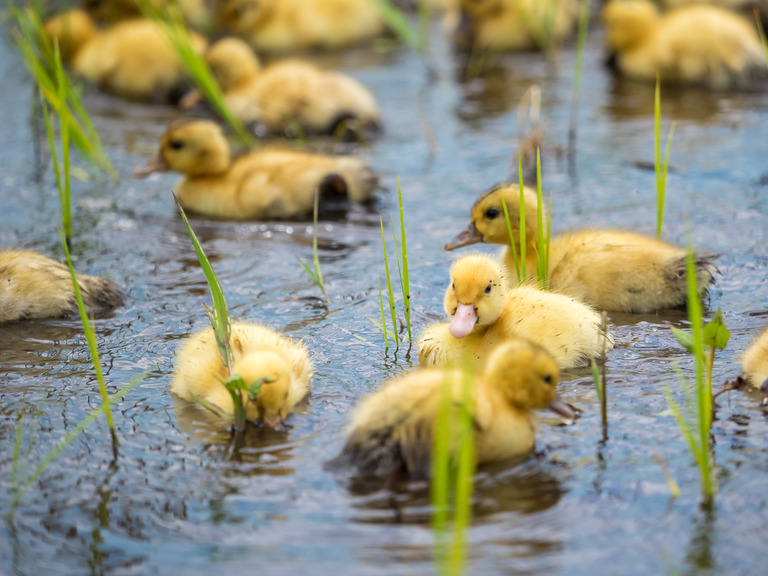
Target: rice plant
(219,317)
(599,378)
(42,59)
(394,18)
(171,22)
(453,476)
(542,239)
(315,273)
(661,169)
(761,31)
(578,71)
(695,418)
(402,268)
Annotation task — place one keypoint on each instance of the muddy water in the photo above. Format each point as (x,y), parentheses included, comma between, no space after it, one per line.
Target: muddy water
(174,498)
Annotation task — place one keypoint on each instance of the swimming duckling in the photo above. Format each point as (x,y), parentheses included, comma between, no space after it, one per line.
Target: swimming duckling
(392,429)
(269,184)
(133,59)
(280,25)
(515,25)
(755,361)
(704,45)
(288,93)
(608,269)
(484,311)
(259,354)
(33,286)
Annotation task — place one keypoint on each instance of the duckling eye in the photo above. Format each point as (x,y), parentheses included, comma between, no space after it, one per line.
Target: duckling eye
(176,144)
(491,213)
(548,379)
(453,285)
(488,289)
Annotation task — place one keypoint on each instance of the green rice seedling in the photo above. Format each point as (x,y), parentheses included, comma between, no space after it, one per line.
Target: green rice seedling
(316,275)
(383,320)
(599,378)
(394,18)
(578,71)
(402,266)
(40,56)
(62,183)
(219,317)
(542,254)
(661,169)
(674,488)
(453,476)
(20,487)
(761,31)
(702,341)
(170,20)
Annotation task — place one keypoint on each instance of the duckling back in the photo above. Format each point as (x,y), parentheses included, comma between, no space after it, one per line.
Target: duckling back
(755,361)
(33,286)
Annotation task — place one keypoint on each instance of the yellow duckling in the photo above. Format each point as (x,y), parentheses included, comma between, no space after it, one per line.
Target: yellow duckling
(259,354)
(280,25)
(392,430)
(193,11)
(269,184)
(704,45)
(515,25)
(485,311)
(33,286)
(608,269)
(288,93)
(755,361)
(133,59)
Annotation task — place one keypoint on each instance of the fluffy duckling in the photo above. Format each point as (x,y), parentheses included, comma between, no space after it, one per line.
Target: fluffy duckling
(484,311)
(755,362)
(280,25)
(133,59)
(33,286)
(391,431)
(704,45)
(515,25)
(193,11)
(264,185)
(259,354)
(288,93)
(608,269)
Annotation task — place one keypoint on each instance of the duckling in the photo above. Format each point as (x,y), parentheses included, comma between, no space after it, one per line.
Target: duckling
(392,430)
(259,354)
(133,59)
(484,311)
(704,45)
(515,25)
(33,286)
(280,25)
(269,184)
(608,269)
(193,11)
(755,361)
(288,93)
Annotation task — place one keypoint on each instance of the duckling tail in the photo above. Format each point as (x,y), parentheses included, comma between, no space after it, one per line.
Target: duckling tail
(334,194)
(99,294)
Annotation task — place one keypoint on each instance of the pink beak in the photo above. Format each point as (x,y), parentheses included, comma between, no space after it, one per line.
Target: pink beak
(272,421)
(463,321)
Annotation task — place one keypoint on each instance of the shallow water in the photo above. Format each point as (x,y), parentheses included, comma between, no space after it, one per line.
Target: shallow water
(174,499)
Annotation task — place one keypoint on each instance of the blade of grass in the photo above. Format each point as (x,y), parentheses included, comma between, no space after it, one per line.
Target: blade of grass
(406,285)
(440,484)
(523,238)
(316,275)
(396,21)
(389,286)
(761,31)
(512,242)
(542,256)
(383,320)
(661,169)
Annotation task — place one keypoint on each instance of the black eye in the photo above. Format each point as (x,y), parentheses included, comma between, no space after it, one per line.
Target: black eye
(488,289)
(548,379)
(491,213)
(176,144)
(453,286)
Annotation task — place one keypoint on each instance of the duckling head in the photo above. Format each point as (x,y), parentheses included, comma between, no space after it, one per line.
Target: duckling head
(243,16)
(487,222)
(194,148)
(627,22)
(476,294)
(526,375)
(71,29)
(232,63)
(269,406)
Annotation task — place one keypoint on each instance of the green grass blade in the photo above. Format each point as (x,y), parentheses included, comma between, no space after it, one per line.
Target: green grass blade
(466,473)
(390,293)
(90,335)
(542,256)
(383,320)
(761,31)
(441,468)
(512,243)
(18,437)
(523,238)
(220,315)
(661,169)
(406,284)
(396,21)
(316,275)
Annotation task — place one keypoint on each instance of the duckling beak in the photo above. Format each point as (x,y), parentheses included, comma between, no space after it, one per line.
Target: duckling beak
(154,164)
(466,237)
(560,407)
(190,100)
(463,321)
(273,421)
